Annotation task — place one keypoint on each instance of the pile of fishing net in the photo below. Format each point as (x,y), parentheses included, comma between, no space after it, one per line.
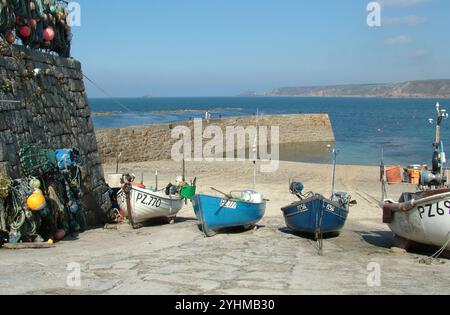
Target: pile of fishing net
(45,206)
(39,24)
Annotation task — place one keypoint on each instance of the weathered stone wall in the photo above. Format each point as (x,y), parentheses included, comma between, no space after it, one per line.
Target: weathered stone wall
(49,109)
(154,142)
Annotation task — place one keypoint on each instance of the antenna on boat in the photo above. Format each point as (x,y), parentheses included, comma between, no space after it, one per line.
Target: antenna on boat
(335,153)
(156,180)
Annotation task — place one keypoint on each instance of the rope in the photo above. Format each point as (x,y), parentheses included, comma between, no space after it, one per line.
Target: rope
(107,94)
(435,256)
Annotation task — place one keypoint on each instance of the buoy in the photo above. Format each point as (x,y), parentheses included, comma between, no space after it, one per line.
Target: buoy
(36,202)
(25,31)
(10,38)
(53,9)
(38,191)
(32,6)
(33,23)
(59,235)
(49,34)
(50,241)
(35,183)
(74,208)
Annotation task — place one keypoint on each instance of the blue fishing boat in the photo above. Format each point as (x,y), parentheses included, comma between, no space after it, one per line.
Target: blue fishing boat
(238,209)
(316,215)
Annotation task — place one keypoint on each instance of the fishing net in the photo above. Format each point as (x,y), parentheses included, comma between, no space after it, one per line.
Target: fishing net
(37,161)
(30,21)
(5,186)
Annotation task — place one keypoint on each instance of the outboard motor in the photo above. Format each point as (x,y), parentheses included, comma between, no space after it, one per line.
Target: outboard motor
(297,188)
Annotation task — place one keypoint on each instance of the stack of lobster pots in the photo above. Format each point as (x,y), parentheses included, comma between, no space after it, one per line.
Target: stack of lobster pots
(39,24)
(45,205)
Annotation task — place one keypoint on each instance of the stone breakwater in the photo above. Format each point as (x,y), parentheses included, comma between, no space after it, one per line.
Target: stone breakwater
(155,142)
(43,102)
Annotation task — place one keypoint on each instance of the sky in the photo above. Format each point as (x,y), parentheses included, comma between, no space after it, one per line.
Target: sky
(224,47)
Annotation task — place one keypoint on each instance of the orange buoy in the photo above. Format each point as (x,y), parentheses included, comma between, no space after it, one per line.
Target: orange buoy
(10,37)
(36,202)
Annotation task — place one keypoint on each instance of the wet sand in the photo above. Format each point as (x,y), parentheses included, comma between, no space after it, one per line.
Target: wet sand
(178,259)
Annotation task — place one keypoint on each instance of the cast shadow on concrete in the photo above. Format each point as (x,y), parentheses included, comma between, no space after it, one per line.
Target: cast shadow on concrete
(386,240)
(236,230)
(308,236)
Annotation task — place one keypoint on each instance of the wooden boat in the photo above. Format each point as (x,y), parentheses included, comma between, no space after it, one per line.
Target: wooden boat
(424,216)
(141,204)
(217,213)
(316,215)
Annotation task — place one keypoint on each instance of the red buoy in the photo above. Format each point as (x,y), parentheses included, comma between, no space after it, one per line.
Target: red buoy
(25,31)
(49,34)
(33,23)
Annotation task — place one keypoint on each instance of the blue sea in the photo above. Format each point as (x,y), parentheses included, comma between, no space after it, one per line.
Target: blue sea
(362,125)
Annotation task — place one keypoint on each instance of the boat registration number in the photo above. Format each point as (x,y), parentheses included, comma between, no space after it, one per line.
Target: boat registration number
(434,210)
(229,204)
(148,200)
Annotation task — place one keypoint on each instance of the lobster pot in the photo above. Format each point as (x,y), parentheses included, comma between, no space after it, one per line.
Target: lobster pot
(37,161)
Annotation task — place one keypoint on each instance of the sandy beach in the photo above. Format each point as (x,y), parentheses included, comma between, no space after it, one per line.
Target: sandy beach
(178,259)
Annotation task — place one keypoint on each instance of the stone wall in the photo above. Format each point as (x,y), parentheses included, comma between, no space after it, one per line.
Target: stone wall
(43,102)
(154,142)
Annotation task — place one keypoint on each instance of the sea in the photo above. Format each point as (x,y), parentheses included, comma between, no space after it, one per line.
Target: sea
(367,130)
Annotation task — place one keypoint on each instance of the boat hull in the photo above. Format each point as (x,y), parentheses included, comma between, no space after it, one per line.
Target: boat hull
(146,205)
(216,214)
(315,215)
(428,222)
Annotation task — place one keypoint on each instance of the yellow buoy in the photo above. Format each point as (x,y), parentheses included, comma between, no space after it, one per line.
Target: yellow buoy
(36,202)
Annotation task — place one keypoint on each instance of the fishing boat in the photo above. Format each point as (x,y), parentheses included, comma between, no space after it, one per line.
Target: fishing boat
(422,216)
(237,209)
(141,204)
(316,215)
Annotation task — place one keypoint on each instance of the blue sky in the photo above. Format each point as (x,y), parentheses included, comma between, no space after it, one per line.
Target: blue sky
(224,47)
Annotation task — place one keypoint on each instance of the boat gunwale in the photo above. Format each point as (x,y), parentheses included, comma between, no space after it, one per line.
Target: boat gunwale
(315,197)
(414,203)
(156,194)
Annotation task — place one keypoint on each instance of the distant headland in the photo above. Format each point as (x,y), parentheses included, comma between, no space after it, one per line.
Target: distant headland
(410,89)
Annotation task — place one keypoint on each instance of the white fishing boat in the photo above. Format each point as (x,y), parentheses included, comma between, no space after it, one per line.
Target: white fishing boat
(423,216)
(141,205)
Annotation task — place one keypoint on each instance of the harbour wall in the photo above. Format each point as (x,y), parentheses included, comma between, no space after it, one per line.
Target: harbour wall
(155,142)
(43,102)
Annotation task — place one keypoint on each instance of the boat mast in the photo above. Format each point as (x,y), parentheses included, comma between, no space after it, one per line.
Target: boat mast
(335,152)
(438,126)
(255,149)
